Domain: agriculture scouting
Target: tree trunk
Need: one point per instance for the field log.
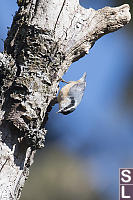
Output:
(45, 38)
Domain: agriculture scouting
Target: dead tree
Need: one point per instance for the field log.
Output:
(45, 38)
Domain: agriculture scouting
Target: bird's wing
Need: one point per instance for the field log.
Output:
(76, 92)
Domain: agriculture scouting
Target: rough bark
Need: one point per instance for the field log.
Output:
(46, 36)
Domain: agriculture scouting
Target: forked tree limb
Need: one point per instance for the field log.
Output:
(45, 38)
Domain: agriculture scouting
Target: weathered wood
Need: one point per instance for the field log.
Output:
(45, 38)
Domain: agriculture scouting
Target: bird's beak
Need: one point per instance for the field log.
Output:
(59, 111)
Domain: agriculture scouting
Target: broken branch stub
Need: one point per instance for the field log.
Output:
(75, 28)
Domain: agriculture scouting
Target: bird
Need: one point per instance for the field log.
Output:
(71, 94)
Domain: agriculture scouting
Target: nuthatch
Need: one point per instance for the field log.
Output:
(71, 95)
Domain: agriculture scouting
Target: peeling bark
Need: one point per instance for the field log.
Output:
(45, 38)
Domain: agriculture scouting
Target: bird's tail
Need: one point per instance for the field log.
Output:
(83, 77)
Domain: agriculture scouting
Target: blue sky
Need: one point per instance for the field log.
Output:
(100, 130)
